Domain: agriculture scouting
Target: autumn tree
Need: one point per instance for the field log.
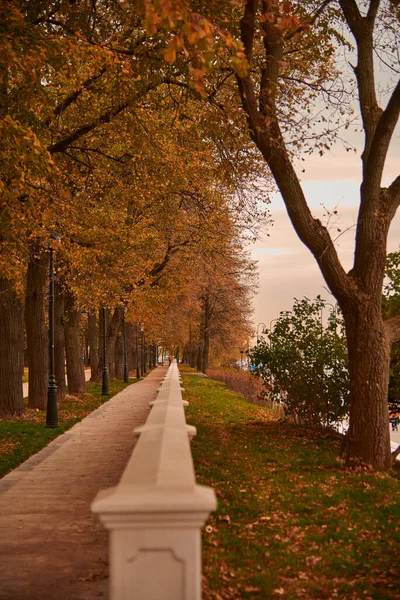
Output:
(290, 50)
(80, 86)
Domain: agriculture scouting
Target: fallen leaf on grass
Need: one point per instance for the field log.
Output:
(225, 518)
(311, 561)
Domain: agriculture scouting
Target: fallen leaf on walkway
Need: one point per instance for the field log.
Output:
(89, 577)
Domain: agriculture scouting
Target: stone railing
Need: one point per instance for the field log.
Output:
(156, 512)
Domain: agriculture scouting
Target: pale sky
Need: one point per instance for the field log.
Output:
(287, 269)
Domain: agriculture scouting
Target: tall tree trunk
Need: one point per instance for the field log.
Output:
(368, 436)
(111, 356)
(93, 341)
(86, 349)
(97, 374)
(119, 357)
(36, 331)
(59, 342)
(193, 353)
(130, 341)
(206, 334)
(75, 370)
(113, 327)
(199, 358)
(114, 333)
(11, 351)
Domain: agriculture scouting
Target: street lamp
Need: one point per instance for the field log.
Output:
(104, 383)
(270, 329)
(126, 370)
(332, 310)
(264, 325)
(52, 412)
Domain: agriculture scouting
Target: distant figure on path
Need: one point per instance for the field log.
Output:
(394, 421)
(170, 360)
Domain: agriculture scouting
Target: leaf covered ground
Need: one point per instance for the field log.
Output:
(291, 522)
(23, 436)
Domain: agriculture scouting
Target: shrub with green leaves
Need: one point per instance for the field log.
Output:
(303, 364)
(391, 308)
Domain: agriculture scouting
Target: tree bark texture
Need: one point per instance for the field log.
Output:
(59, 342)
(73, 350)
(119, 357)
(93, 342)
(130, 341)
(114, 326)
(96, 376)
(11, 351)
(206, 334)
(199, 357)
(36, 330)
(358, 291)
(193, 353)
(368, 437)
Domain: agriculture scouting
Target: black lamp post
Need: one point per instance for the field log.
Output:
(264, 327)
(270, 329)
(137, 352)
(104, 383)
(52, 411)
(126, 370)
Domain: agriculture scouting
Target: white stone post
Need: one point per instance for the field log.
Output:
(156, 512)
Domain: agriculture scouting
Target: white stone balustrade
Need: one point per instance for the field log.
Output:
(156, 512)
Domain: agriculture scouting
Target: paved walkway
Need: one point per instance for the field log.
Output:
(51, 546)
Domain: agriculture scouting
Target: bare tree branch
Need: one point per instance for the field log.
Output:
(60, 108)
(247, 25)
(394, 192)
(380, 144)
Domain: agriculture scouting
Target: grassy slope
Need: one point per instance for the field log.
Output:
(22, 437)
(291, 521)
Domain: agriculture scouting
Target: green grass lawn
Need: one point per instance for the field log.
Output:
(292, 522)
(23, 436)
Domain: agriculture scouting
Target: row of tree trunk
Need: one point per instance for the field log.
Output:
(196, 353)
(28, 317)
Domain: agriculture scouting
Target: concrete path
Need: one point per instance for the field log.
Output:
(51, 546)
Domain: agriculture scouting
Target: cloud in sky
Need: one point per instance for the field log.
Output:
(287, 268)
